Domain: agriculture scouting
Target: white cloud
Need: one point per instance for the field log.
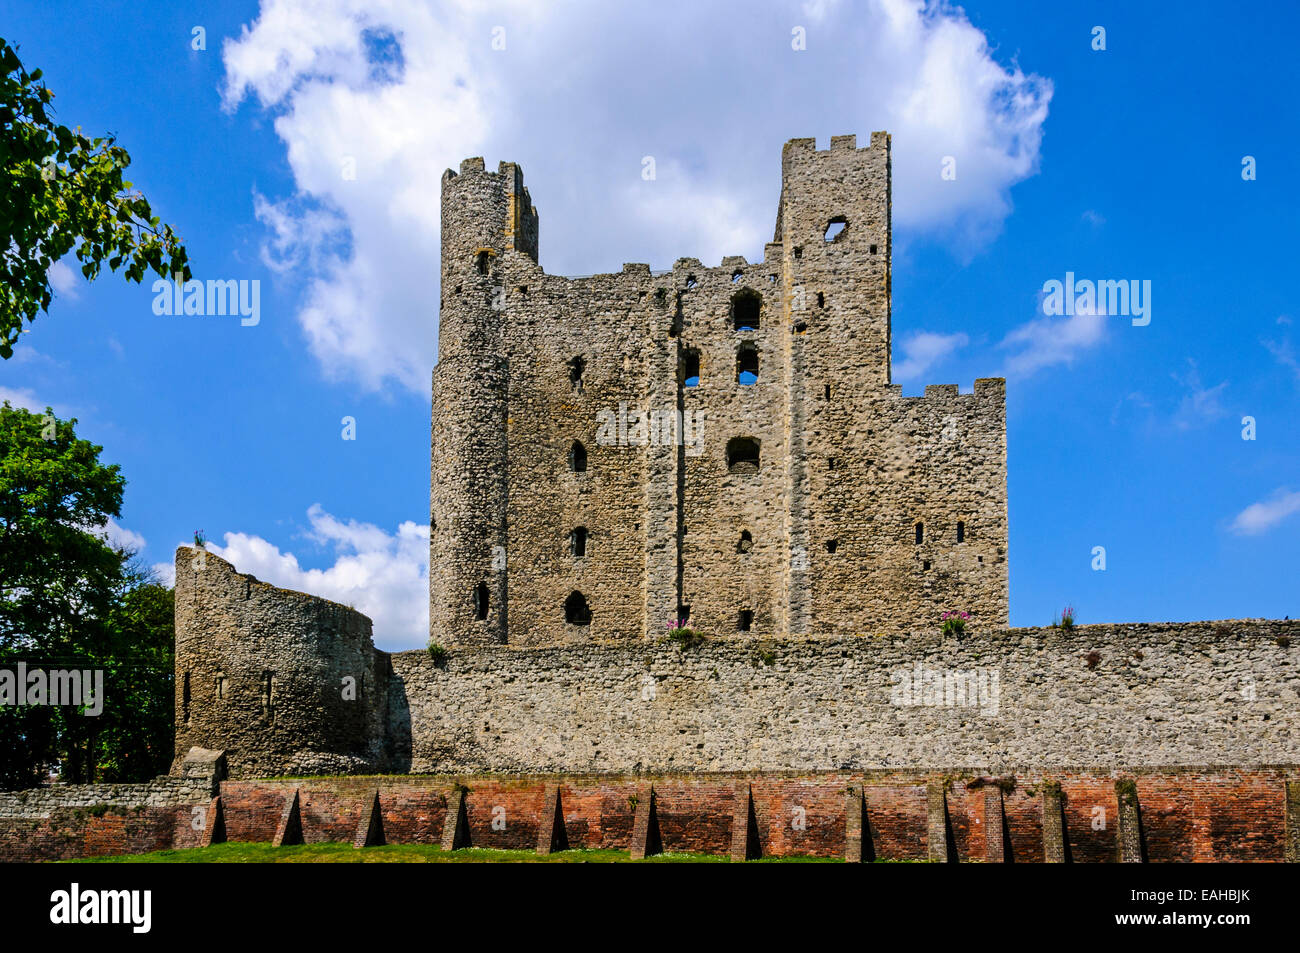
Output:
(1094, 218)
(382, 575)
(1200, 404)
(21, 397)
(1047, 341)
(120, 537)
(64, 280)
(1264, 515)
(398, 91)
(924, 350)
(1284, 354)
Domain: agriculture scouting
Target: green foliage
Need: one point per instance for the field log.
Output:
(685, 638)
(438, 653)
(764, 657)
(69, 600)
(64, 192)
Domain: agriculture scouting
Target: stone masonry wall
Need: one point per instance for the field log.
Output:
(1145, 694)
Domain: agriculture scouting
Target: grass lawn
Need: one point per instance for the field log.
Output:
(335, 853)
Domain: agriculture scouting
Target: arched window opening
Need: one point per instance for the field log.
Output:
(736, 276)
(961, 532)
(577, 366)
(576, 610)
(481, 262)
(578, 457)
(746, 306)
(746, 541)
(835, 228)
(480, 600)
(691, 368)
(746, 364)
(920, 534)
(578, 541)
(742, 455)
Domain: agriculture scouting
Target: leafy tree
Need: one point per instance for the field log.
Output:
(64, 191)
(69, 600)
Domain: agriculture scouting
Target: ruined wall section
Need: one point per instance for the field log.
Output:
(938, 461)
(1146, 694)
(734, 544)
(577, 507)
(260, 673)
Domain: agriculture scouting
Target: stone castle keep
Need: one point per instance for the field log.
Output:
(720, 447)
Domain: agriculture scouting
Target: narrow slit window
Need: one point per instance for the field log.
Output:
(920, 534)
(185, 698)
(480, 601)
(577, 367)
(578, 457)
(268, 695)
(578, 541)
(961, 532)
(746, 541)
(746, 620)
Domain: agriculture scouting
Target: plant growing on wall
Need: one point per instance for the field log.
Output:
(954, 624)
(1066, 621)
(683, 636)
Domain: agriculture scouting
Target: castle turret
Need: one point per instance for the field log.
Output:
(485, 218)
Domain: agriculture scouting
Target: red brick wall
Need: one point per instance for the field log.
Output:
(1186, 815)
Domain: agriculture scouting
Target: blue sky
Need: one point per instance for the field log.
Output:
(302, 148)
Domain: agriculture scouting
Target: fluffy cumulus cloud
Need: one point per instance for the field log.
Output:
(373, 99)
(1264, 515)
(383, 575)
(923, 351)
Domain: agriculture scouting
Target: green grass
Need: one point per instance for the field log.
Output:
(335, 853)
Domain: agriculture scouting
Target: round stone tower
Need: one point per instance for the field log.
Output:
(486, 219)
(283, 682)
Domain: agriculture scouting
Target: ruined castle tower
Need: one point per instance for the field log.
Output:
(720, 445)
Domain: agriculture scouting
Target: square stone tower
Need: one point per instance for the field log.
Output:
(719, 445)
